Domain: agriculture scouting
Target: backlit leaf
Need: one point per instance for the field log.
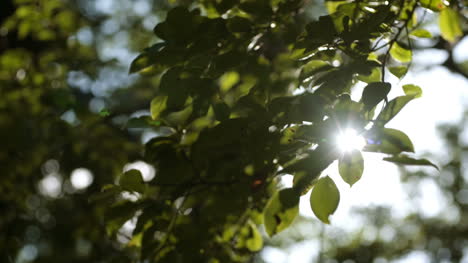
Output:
(281, 210)
(434, 5)
(449, 23)
(324, 199)
(392, 109)
(158, 105)
(255, 240)
(313, 67)
(386, 140)
(412, 90)
(351, 166)
(406, 160)
(400, 53)
(375, 76)
(141, 62)
(399, 72)
(421, 33)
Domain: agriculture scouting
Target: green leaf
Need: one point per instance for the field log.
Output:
(313, 67)
(399, 72)
(146, 59)
(239, 25)
(421, 33)
(104, 113)
(221, 111)
(281, 210)
(132, 180)
(375, 76)
(406, 160)
(400, 53)
(139, 63)
(392, 109)
(387, 140)
(107, 192)
(374, 93)
(450, 26)
(307, 182)
(228, 80)
(255, 241)
(434, 5)
(116, 215)
(289, 135)
(308, 169)
(142, 122)
(158, 105)
(351, 167)
(324, 199)
(412, 90)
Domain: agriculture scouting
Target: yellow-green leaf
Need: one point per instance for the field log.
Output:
(351, 166)
(281, 210)
(449, 23)
(434, 5)
(399, 72)
(255, 240)
(392, 109)
(412, 90)
(324, 199)
(421, 33)
(387, 140)
(406, 160)
(400, 53)
(376, 75)
(304, 182)
(158, 105)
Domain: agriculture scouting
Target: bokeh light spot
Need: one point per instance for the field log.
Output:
(81, 178)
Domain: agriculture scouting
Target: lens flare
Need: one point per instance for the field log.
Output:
(349, 140)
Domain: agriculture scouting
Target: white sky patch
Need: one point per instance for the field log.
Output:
(431, 201)
(131, 196)
(125, 232)
(287, 180)
(415, 257)
(105, 6)
(148, 135)
(85, 36)
(443, 100)
(27, 254)
(459, 53)
(304, 251)
(274, 255)
(141, 7)
(81, 178)
(147, 170)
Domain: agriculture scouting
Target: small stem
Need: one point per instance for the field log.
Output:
(395, 39)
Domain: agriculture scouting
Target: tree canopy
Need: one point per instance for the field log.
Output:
(233, 94)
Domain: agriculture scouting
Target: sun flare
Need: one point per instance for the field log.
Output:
(349, 140)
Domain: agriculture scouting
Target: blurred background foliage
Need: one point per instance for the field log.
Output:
(65, 99)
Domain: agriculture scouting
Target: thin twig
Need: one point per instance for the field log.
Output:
(395, 39)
